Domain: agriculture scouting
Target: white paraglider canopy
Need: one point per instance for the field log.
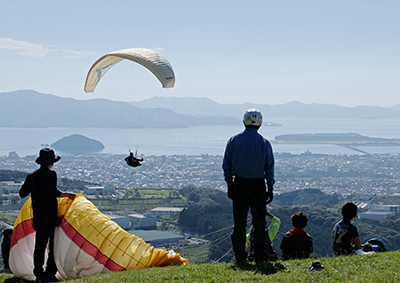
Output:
(148, 58)
(86, 243)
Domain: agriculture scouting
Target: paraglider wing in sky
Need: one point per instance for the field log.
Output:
(148, 58)
(86, 242)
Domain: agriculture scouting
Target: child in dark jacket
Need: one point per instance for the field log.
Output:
(5, 248)
(297, 243)
(346, 240)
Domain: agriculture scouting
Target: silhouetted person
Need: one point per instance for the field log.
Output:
(131, 160)
(5, 248)
(42, 186)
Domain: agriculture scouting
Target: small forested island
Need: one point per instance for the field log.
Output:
(350, 139)
(77, 144)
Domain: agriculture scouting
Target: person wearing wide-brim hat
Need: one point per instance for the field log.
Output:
(47, 157)
(42, 186)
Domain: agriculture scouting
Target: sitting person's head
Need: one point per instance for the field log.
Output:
(7, 234)
(299, 220)
(349, 211)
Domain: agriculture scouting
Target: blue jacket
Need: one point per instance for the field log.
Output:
(249, 155)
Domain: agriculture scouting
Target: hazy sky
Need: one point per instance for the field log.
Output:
(344, 52)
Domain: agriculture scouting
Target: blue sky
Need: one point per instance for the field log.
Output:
(343, 52)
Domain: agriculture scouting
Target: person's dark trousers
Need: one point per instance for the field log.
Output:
(44, 234)
(249, 193)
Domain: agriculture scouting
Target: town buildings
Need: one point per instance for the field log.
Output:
(379, 211)
(341, 174)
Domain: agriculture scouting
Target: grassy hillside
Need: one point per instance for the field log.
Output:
(382, 267)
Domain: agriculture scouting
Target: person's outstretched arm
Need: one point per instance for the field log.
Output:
(67, 195)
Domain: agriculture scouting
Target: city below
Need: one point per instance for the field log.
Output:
(345, 175)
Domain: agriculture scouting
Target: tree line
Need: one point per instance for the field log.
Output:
(209, 213)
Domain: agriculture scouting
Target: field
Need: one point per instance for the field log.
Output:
(381, 267)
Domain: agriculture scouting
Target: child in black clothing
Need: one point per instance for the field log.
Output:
(346, 240)
(297, 243)
(5, 248)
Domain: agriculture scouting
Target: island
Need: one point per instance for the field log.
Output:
(343, 139)
(77, 144)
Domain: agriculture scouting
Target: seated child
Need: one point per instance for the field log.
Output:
(297, 243)
(346, 240)
(5, 248)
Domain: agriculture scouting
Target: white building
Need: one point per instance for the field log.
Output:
(380, 211)
(91, 190)
(13, 187)
(10, 186)
(143, 221)
(159, 239)
(165, 211)
(122, 221)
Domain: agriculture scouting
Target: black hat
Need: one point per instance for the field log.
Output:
(316, 265)
(7, 232)
(47, 156)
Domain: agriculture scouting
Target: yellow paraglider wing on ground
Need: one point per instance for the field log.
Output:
(86, 243)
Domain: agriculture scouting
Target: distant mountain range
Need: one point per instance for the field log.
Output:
(205, 106)
(28, 108)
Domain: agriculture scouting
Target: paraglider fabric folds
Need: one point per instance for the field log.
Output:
(153, 61)
(86, 243)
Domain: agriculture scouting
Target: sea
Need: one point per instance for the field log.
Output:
(202, 140)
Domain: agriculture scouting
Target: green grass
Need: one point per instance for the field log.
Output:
(195, 253)
(382, 267)
(7, 218)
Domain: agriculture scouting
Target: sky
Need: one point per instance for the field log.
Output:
(342, 52)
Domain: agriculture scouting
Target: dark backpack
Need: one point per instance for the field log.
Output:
(378, 245)
(296, 246)
(269, 251)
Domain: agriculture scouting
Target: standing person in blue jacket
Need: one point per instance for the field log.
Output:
(248, 166)
(42, 186)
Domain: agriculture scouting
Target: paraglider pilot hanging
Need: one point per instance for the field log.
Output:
(131, 160)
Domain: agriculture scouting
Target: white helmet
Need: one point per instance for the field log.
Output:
(252, 117)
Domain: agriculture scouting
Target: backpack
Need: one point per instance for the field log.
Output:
(378, 245)
(296, 246)
(269, 251)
